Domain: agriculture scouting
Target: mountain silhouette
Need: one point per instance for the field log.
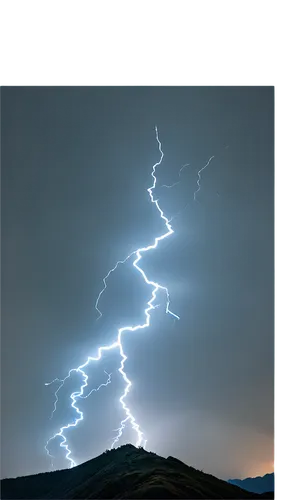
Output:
(126, 473)
(258, 484)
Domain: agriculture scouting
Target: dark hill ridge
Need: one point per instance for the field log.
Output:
(126, 472)
(257, 484)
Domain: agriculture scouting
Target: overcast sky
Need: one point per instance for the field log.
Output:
(76, 163)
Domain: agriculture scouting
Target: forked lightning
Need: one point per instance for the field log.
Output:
(117, 344)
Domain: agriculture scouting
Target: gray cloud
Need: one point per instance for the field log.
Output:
(75, 167)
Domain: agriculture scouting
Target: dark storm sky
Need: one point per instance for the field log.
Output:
(76, 164)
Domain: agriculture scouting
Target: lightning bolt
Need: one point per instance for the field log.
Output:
(199, 177)
(105, 282)
(169, 186)
(129, 417)
(178, 182)
(63, 381)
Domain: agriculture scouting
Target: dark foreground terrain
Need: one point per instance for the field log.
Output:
(126, 472)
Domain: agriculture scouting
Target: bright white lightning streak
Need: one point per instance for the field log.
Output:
(73, 397)
(99, 387)
(199, 177)
(118, 344)
(83, 397)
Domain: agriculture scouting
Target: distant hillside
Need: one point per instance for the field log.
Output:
(124, 473)
(258, 484)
